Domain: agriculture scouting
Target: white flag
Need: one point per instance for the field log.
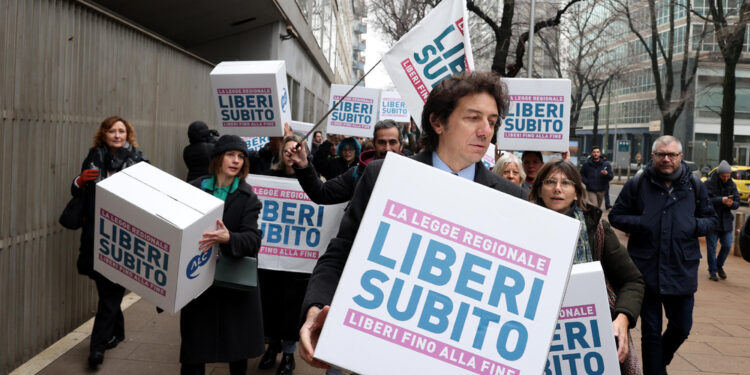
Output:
(435, 49)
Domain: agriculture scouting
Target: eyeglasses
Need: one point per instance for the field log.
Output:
(662, 155)
(551, 182)
(383, 142)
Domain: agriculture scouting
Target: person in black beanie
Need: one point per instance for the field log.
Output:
(198, 153)
(724, 196)
(224, 324)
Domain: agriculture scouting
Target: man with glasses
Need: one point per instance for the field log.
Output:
(340, 189)
(665, 210)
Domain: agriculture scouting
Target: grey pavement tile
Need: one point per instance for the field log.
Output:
(732, 349)
(698, 347)
(708, 362)
(707, 329)
(156, 353)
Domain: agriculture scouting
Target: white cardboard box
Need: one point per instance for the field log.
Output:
(464, 285)
(251, 98)
(583, 341)
(147, 228)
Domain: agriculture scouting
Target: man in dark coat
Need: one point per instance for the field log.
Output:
(665, 211)
(387, 138)
(596, 174)
(459, 119)
(198, 153)
(724, 196)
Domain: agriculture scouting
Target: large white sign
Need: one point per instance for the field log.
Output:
(489, 157)
(448, 286)
(583, 342)
(357, 113)
(392, 107)
(251, 98)
(435, 49)
(148, 224)
(303, 128)
(296, 231)
(538, 117)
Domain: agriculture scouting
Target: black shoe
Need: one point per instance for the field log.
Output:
(269, 357)
(112, 342)
(96, 359)
(713, 277)
(722, 274)
(286, 366)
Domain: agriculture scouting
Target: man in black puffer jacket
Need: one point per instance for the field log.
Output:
(198, 153)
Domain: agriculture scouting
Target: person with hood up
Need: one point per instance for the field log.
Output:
(387, 138)
(198, 153)
(724, 196)
(347, 154)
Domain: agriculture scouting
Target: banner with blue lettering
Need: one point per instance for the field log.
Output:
(464, 285)
(489, 157)
(583, 342)
(392, 107)
(296, 231)
(436, 48)
(538, 117)
(255, 143)
(357, 113)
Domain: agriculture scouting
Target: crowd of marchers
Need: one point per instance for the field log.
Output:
(664, 209)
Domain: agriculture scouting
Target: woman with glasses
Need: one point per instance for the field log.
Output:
(509, 166)
(558, 187)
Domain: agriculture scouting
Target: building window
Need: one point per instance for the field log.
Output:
(309, 113)
(294, 88)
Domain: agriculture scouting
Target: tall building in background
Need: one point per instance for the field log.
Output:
(629, 115)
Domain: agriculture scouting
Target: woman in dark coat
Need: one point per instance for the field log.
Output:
(198, 153)
(114, 149)
(347, 154)
(222, 324)
(282, 292)
(558, 187)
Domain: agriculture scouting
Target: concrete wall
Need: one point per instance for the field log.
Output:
(63, 69)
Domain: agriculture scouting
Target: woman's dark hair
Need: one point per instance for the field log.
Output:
(557, 165)
(445, 96)
(214, 166)
(99, 137)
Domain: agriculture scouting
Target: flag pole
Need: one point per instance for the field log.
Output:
(317, 125)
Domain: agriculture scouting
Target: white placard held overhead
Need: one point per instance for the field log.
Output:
(357, 113)
(436, 48)
(392, 107)
(538, 117)
(448, 286)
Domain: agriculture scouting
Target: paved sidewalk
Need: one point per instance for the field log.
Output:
(718, 344)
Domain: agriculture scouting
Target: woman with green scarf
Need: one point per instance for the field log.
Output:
(558, 187)
(223, 324)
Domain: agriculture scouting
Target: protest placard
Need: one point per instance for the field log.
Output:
(392, 107)
(357, 113)
(148, 224)
(489, 157)
(436, 48)
(464, 285)
(296, 231)
(303, 128)
(538, 117)
(255, 143)
(251, 98)
(583, 342)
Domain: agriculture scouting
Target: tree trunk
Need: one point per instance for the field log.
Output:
(668, 121)
(595, 129)
(726, 141)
